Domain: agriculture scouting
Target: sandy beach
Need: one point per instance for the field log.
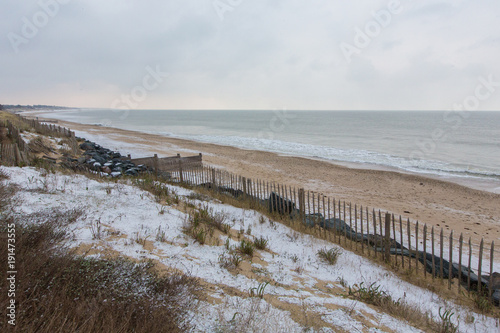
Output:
(443, 204)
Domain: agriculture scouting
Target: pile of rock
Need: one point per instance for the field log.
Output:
(107, 161)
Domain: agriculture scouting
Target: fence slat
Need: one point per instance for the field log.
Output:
(416, 248)
(433, 255)
(408, 231)
(470, 266)
(350, 224)
(387, 237)
(394, 237)
(401, 236)
(441, 245)
(492, 251)
(450, 272)
(368, 230)
(375, 233)
(425, 249)
(362, 233)
(460, 243)
(480, 265)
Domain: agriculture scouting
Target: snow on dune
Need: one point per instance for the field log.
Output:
(298, 277)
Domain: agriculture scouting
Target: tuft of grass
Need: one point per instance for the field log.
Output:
(330, 256)
(246, 247)
(371, 294)
(260, 243)
(203, 222)
(140, 238)
(96, 229)
(259, 290)
(198, 196)
(217, 220)
(230, 261)
(160, 235)
(482, 302)
(446, 325)
(159, 190)
(200, 235)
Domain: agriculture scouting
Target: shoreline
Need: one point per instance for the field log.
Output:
(437, 202)
(482, 183)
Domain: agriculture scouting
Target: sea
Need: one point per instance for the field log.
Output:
(460, 146)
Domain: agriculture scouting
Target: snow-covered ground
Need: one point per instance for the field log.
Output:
(298, 278)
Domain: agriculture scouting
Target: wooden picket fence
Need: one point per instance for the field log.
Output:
(381, 230)
(169, 164)
(17, 152)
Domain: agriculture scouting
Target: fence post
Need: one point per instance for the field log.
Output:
(155, 164)
(17, 154)
(416, 248)
(374, 233)
(450, 274)
(425, 250)
(213, 178)
(355, 223)
(350, 224)
(401, 239)
(408, 231)
(470, 259)
(433, 256)
(441, 264)
(480, 264)
(491, 268)
(302, 199)
(368, 230)
(394, 235)
(387, 236)
(362, 231)
(460, 241)
(244, 182)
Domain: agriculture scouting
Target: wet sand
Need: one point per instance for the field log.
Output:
(443, 204)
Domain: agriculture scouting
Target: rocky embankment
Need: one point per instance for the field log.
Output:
(105, 161)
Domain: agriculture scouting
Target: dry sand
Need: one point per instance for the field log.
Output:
(443, 204)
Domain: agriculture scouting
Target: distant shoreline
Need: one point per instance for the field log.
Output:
(433, 201)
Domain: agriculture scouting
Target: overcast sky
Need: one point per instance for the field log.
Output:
(251, 54)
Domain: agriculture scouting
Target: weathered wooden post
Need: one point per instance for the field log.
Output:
(302, 206)
(416, 248)
(387, 237)
(425, 249)
(441, 244)
(244, 182)
(460, 241)
(155, 164)
(491, 268)
(480, 264)
(470, 266)
(17, 154)
(450, 274)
